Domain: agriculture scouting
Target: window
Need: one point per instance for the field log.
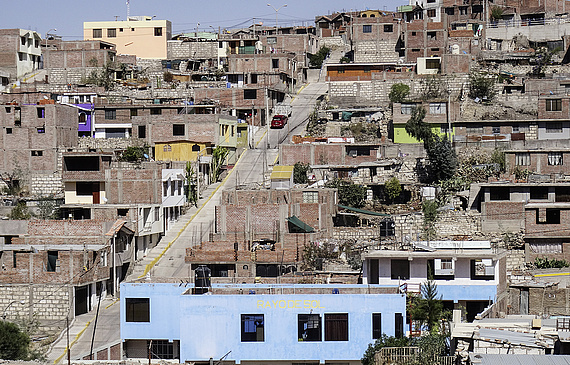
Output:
(414, 34)
(51, 261)
(165, 188)
(553, 105)
(336, 327)
(142, 131)
(309, 327)
(482, 269)
(250, 94)
(178, 130)
(23, 40)
(132, 29)
(407, 108)
(553, 127)
(163, 349)
(443, 128)
(122, 212)
(522, 158)
(496, 129)
(158, 32)
(8, 130)
(253, 78)
(110, 114)
(388, 28)
(562, 194)
(500, 193)
(120, 30)
(167, 148)
(37, 153)
(156, 111)
(400, 269)
(274, 63)
(271, 40)
(441, 269)
(367, 28)
(431, 13)
(449, 11)
(463, 10)
(134, 112)
(310, 196)
(432, 64)
(138, 309)
(431, 36)
(22, 56)
(376, 325)
(111, 33)
(41, 112)
(555, 158)
(156, 214)
(252, 328)
(84, 188)
(97, 33)
(437, 108)
(547, 216)
(82, 118)
(538, 193)
(195, 148)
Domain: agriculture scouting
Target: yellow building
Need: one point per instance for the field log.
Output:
(181, 150)
(140, 35)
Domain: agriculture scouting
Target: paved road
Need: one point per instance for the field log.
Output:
(302, 105)
(167, 258)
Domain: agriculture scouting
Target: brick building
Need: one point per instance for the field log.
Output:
(20, 52)
(377, 38)
(51, 269)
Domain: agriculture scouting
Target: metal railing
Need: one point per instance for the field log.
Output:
(526, 22)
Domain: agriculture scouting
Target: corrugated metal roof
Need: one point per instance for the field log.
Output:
(515, 338)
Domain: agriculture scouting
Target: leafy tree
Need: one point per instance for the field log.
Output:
(48, 207)
(431, 346)
(300, 173)
(545, 263)
(498, 157)
(383, 341)
(133, 154)
(219, 155)
(542, 58)
(393, 188)
(443, 161)
(14, 343)
(168, 76)
(433, 87)
(349, 194)
(430, 212)
(20, 211)
(428, 308)
(192, 188)
(496, 13)
(317, 59)
(482, 86)
(399, 93)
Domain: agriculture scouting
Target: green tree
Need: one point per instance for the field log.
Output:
(168, 76)
(349, 194)
(431, 346)
(192, 188)
(383, 341)
(430, 212)
(20, 211)
(482, 86)
(133, 154)
(441, 155)
(219, 155)
(14, 343)
(317, 59)
(399, 93)
(427, 309)
(498, 157)
(300, 173)
(393, 189)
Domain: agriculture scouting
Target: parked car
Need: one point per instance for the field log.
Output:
(279, 121)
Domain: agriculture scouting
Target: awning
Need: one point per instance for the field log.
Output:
(363, 211)
(304, 227)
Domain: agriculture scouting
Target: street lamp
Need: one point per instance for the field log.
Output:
(8, 306)
(276, 12)
(47, 34)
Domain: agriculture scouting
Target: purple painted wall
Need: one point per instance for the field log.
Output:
(84, 129)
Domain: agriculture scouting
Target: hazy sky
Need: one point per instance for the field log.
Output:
(68, 15)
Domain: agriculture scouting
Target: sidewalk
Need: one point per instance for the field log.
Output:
(81, 332)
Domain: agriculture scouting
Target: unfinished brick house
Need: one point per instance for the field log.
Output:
(32, 139)
(20, 52)
(376, 39)
(541, 211)
(52, 269)
(263, 232)
(424, 39)
(99, 188)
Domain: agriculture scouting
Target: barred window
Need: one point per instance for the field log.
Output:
(522, 159)
(553, 127)
(555, 158)
(437, 108)
(553, 105)
(310, 196)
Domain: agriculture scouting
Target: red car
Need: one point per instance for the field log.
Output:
(279, 121)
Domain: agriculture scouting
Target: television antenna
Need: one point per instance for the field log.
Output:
(128, 9)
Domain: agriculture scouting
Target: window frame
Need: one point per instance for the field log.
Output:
(110, 114)
(555, 158)
(302, 332)
(131, 305)
(158, 31)
(98, 33)
(367, 28)
(522, 159)
(245, 319)
(553, 105)
(376, 326)
(179, 130)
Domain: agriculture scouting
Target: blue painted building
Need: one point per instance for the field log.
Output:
(285, 323)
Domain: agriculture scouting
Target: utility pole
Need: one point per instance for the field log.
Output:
(276, 13)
